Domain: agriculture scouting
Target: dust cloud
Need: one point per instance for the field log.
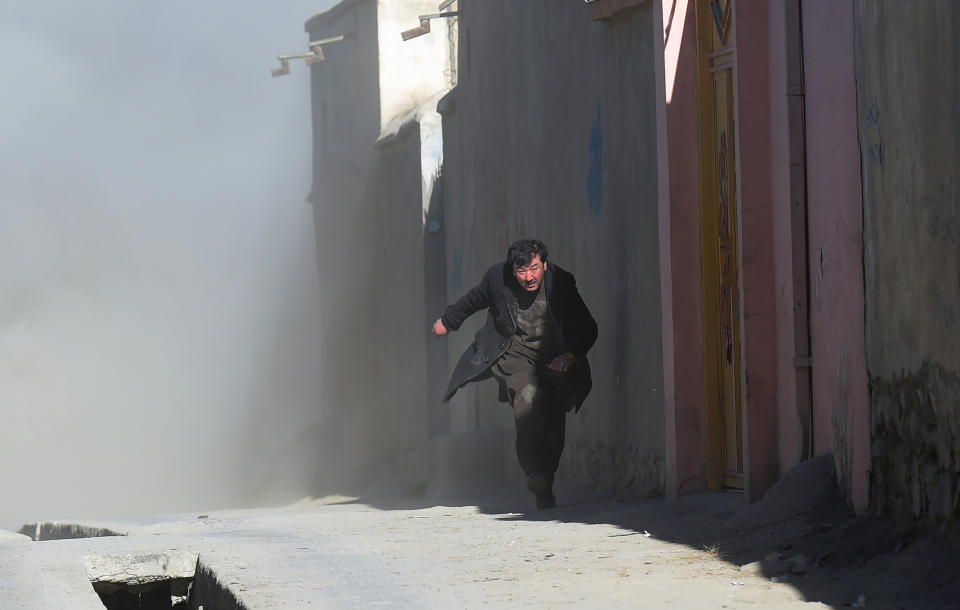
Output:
(157, 263)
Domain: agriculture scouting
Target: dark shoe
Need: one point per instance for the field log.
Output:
(546, 501)
(541, 486)
(538, 483)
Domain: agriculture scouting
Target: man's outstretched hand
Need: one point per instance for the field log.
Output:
(439, 329)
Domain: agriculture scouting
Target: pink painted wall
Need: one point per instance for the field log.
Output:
(840, 392)
(769, 246)
(789, 426)
(685, 450)
(757, 277)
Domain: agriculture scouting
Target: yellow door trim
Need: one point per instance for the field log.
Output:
(719, 259)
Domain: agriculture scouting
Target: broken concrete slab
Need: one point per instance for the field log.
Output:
(140, 569)
(163, 578)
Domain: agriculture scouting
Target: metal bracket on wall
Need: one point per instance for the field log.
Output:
(314, 55)
(424, 27)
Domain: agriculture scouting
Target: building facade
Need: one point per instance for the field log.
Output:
(367, 435)
(761, 215)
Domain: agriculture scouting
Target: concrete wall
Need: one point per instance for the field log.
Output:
(403, 413)
(679, 217)
(370, 204)
(345, 94)
(412, 70)
(758, 332)
(798, 184)
(907, 78)
(345, 98)
(802, 287)
(834, 210)
(552, 133)
(793, 412)
(821, 370)
(410, 258)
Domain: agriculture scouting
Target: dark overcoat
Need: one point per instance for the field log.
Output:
(495, 293)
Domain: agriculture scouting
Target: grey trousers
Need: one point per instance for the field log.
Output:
(540, 418)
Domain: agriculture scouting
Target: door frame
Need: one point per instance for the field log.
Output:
(706, 24)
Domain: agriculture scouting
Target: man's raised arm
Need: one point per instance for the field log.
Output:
(453, 316)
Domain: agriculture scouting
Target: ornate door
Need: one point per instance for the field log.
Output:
(718, 234)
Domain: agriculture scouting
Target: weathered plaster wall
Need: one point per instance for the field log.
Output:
(758, 341)
(345, 98)
(399, 244)
(346, 123)
(370, 207)
(834, 210)
(551, 133)
(408, 177)
(679, 250)
(790, 423)
(907, 79)
(411, 70)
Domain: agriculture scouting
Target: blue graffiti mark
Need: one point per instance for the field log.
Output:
(873, 114)
(878, 155)
(456, 275)
(595, 176)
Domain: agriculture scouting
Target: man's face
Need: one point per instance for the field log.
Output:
(530, 276)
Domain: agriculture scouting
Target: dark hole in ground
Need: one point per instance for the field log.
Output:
(155, 596)
(149, 581)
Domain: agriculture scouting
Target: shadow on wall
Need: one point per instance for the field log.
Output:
(914, 442)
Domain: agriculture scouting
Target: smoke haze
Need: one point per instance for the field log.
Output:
(157, 261)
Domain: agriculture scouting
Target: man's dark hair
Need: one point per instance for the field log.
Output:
(522, 251)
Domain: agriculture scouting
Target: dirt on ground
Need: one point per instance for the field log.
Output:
(797, 547)
(802, 533)
(893, 565)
